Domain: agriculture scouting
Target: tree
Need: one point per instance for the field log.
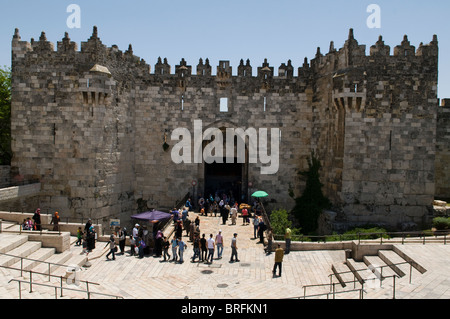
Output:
(279, 220)
(5, 116)
(309, 206)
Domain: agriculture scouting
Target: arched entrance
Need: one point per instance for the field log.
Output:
(228, 178)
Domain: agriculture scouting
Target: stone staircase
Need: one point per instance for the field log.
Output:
(374, 273)
(18, 252)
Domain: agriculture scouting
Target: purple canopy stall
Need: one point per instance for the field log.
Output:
(152, 216)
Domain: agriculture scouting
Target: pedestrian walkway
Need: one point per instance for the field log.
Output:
(251, 278)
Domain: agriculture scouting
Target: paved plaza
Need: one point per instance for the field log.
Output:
(251, 278)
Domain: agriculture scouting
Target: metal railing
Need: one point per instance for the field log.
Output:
(31, 272)
(432, 236)
(381, 278)
(89, 293)
(33, 231)
(333, 292)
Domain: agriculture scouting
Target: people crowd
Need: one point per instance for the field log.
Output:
(143, 242)
(187, 232)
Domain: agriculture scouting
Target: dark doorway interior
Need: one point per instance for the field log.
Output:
(224, 178)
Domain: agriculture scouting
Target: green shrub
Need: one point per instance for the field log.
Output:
(441, 223)
(359, 233)
(279, 221)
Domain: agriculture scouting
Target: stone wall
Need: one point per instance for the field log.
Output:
(90, 125)
(443, 151)
(5, 176)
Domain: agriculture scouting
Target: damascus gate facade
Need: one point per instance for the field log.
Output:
(96, 126)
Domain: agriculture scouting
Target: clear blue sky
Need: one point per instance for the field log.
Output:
(278, 30)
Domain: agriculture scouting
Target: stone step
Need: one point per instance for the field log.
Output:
(378, 266)
(42, 254)
(360, 270)
(342, 274)
(23, 250)
(10, 242)
(8, 226)
(393, 260)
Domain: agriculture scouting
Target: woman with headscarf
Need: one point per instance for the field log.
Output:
(91, 239)
(55, 221)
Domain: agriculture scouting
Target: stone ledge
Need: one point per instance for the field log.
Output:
(19, 191)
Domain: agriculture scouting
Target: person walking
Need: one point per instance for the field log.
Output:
(244, 216)
(219, 244)
(196, 248)
(55, 221)
(211, 248)
(279, 254)
(233, 215)
(136, 232)
(255, 225)
(268, 249)
(132, 246)
(165, 246)
(112, 248)
(88, 225)
(203, 247)
(79, 236)
(234, 254)
(261, 229)
(122, 234)
(181, 246)
(174, 249)
(287, 238)
(141, 246)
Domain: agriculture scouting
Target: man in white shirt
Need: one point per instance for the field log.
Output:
(135, 231)
(211, 246)
(234, 249)
(219, 244)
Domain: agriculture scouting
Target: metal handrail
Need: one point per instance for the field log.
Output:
(89, 293)
(334, 292)
(44, 274)
(393, 235)
(39, 273)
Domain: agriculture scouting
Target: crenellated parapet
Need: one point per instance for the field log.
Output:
(351, 55)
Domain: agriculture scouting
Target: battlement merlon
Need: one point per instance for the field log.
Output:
(351, 54)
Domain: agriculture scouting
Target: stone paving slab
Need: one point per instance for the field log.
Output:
(251, 278)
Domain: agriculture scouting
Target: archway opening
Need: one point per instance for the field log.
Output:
(225, 179)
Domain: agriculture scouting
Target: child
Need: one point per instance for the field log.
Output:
(25, 225)
(85, 251)
(79, 236)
